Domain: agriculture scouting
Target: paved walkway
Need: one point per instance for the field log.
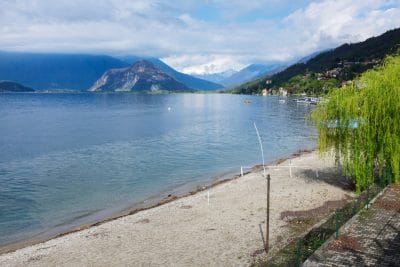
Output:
(372, 238)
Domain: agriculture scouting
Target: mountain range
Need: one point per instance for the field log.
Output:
(251, 72)
(64, 71)
(142, 76)
(55, 71)
(78, 71)
(197, 83)
(216, 77)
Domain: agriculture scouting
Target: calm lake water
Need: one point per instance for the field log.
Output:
(69, 159)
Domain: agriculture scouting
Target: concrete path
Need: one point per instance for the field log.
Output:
(372, 238)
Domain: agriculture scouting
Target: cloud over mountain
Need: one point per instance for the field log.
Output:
(193, 36)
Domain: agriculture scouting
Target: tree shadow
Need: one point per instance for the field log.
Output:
(331, 176)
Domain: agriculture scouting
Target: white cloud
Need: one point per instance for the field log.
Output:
(193, 44)
(329, 23)
(201, 64)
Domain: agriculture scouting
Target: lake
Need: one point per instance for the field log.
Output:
(71, 159)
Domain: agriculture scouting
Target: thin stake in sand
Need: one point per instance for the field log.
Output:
(261, 147)
(268, 190)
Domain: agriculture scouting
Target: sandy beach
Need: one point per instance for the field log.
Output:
(219, 226)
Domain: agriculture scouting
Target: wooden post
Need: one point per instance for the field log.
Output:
(267, 222)
(337, 223)
(298, 253)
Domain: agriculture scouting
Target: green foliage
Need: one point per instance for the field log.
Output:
(360, 123)
(249, 88)
(309, 84)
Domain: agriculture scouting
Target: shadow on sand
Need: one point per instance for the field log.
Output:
(332, 176)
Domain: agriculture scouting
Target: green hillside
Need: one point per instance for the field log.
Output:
(328, 69)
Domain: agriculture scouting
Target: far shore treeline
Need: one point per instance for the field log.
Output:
(360, 124)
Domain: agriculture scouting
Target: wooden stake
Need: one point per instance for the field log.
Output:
(267, 230)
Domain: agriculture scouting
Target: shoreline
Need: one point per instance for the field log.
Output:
(216, 225)
(151, 203)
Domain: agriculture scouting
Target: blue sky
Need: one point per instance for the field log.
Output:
(193, 36)
(220, 13)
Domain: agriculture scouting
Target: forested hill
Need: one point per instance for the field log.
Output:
(10, 86)
(330, 68)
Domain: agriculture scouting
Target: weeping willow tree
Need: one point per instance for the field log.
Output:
(360, 124)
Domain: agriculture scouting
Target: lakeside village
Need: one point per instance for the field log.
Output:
(304, 99)
(312, 85)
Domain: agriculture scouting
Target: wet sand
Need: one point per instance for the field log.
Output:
(219, 226)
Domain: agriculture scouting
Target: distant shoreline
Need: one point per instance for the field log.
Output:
(61, 91)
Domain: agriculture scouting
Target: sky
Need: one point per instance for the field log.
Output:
(196, 37)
